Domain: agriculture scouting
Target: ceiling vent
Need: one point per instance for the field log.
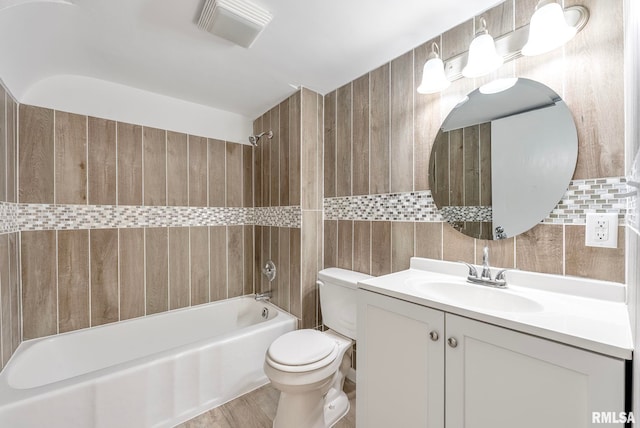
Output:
(238, 21)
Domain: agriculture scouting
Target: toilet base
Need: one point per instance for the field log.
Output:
(308, 412)
(336, 407)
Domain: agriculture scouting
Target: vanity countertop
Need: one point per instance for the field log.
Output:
(585, 313)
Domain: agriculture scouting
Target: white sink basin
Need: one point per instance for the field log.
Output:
(475, 296)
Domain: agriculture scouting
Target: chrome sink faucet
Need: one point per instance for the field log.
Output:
(485, 276)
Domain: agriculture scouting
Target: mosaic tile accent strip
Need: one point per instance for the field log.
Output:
(413, 206)
(633, 210)
(602, 195)
(8, 217)
(583, 196)
(288, 216)
(454, 214)
(61, 217)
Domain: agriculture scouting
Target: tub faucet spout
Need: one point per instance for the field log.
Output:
(262, 297)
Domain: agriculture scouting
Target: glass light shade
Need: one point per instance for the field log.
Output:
(483, 58)
(548, 30)
(498, 85)
(433, 77)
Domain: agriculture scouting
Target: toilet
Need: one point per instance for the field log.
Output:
(308, 367)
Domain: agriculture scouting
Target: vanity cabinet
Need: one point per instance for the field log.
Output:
(421, 367)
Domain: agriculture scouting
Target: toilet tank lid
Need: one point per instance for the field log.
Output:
(343, 277)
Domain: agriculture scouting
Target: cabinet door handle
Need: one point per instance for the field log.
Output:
(434, 336)
(452, 342)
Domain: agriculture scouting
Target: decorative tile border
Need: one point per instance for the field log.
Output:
(16, 217)
(603, 195)
(633, 214)
(61, 217)
(8, 217)
(288, 216)
(583, 196)
(413, 206)
(458, 214)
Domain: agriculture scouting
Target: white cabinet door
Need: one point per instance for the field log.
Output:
(498, 378)
(400, 364)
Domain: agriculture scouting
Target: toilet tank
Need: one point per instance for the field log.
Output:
(338, 299)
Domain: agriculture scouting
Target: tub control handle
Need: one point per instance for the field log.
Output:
(452, 342)
(269, 270)
(434, 336)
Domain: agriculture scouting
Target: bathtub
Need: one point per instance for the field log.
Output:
(156, 371)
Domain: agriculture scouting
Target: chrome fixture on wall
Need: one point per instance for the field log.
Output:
(550, 28)
(253, 139)
(269, 270)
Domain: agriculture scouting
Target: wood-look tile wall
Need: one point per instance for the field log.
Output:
(460, 173)
(10, 325)
(74, 279)
(72, 159)
(288, 172)
(379, 132)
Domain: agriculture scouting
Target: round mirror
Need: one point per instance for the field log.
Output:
(503, 158)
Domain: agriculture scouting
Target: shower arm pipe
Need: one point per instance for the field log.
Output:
(253, 139)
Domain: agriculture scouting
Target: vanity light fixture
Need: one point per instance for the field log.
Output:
(433, 77)
(548, 29)
(486, 54)
(483, 57)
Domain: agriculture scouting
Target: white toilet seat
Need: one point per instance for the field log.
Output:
(302, 351)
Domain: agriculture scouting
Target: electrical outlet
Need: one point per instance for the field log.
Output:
(602, 230)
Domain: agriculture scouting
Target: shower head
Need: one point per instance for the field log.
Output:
(253, 139)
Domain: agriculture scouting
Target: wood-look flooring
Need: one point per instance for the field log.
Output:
(257, 410)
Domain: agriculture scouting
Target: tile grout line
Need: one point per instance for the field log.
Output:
(86, 159)
(6, 148)
(6, 190)
(564, 245)
(87, 195)
(58, 286)
(2, 310)
(166, 203)
(56, 233)
(208, 172)
(142, 202)
(413, 121)
(144, 230)
(18, 234)
(117, 203)
(89, 279)
(353, 234)
(118, 260)
(189, 205)
(209, 280)
(54, 157)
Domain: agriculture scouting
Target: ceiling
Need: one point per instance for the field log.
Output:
(155, 45)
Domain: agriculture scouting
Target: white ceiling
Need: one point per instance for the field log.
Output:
(155, 45)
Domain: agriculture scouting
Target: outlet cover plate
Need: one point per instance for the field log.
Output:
(594, 232)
